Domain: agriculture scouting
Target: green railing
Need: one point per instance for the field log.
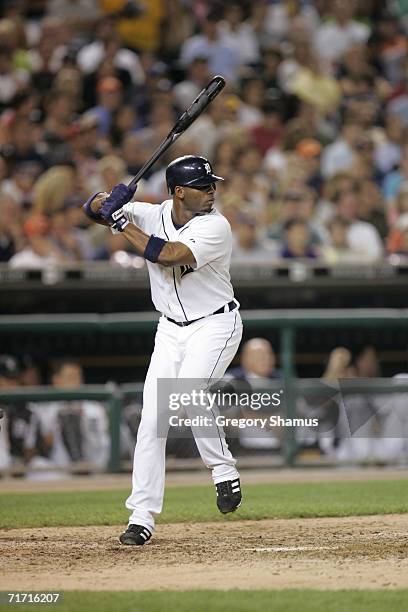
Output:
(114, 398)
(286, 322)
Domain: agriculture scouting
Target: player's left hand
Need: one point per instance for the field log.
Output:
(118, 197)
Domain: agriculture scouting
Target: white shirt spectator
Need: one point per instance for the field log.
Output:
(249, 116)
(363, 237)
(92, 55)
(243, 38)
(336, 157)
(29, 259)
(223, 58)
(387, 155)
(332, 40)
(278, 23)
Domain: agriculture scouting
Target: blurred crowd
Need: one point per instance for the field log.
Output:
(310, 131)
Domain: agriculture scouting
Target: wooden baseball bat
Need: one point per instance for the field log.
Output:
(201, 102)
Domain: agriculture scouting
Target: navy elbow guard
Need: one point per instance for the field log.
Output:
(88, 210)
(154, 248)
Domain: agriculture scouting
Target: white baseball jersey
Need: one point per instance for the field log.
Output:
(186, 293)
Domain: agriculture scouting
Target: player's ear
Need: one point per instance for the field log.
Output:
(179, 192)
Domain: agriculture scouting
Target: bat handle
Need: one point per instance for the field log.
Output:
(133, 184)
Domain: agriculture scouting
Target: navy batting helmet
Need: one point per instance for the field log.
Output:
(190, 171)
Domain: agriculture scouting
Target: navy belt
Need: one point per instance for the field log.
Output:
(230, 306)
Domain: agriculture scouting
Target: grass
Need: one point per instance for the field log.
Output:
(197, 504)
(239, 601)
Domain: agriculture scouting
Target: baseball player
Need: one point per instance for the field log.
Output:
(187, 244)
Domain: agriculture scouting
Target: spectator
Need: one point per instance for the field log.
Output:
(118, 251)
(395, 238)
(53, 188)
(388, 48)
(124, 121)
(11, 234)
(371, 207)
(68, 234)
(258, 360)
(253, 93)
(138, 25)
(223, 56)
(85, 148)
(257, 367)
(285, 19)
(269, 132)
(39, 251)
(309, 150)
(399, 244)
(388, 144)
(111, 171)
(107, 44)
(46, 57)
(337, 249)
(338, 365)
(211, 127)
(20, 185)
(110, 97)
(11, 80)
(297, 242)
(336, 35)
(198, 75)
(361, 236)
(340, 155)
(235, 33)
(311, 85)
(394, 182)
(21, 145)
(59, 109)
(297, 204)
(248, 247)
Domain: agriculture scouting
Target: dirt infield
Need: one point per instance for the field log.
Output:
(327, 553)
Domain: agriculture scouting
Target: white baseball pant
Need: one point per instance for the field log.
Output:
(203, 349)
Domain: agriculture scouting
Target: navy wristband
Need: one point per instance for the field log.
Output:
(153, 248)
(88, 210)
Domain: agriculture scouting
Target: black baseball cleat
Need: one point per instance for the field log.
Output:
(135, 535)
(228, 495)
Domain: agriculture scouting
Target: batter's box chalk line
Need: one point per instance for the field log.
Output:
(290, 548)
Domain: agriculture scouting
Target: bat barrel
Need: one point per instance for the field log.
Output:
(187, 118)
(215, 86)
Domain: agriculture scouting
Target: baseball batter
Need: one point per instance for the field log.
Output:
(187, 244)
